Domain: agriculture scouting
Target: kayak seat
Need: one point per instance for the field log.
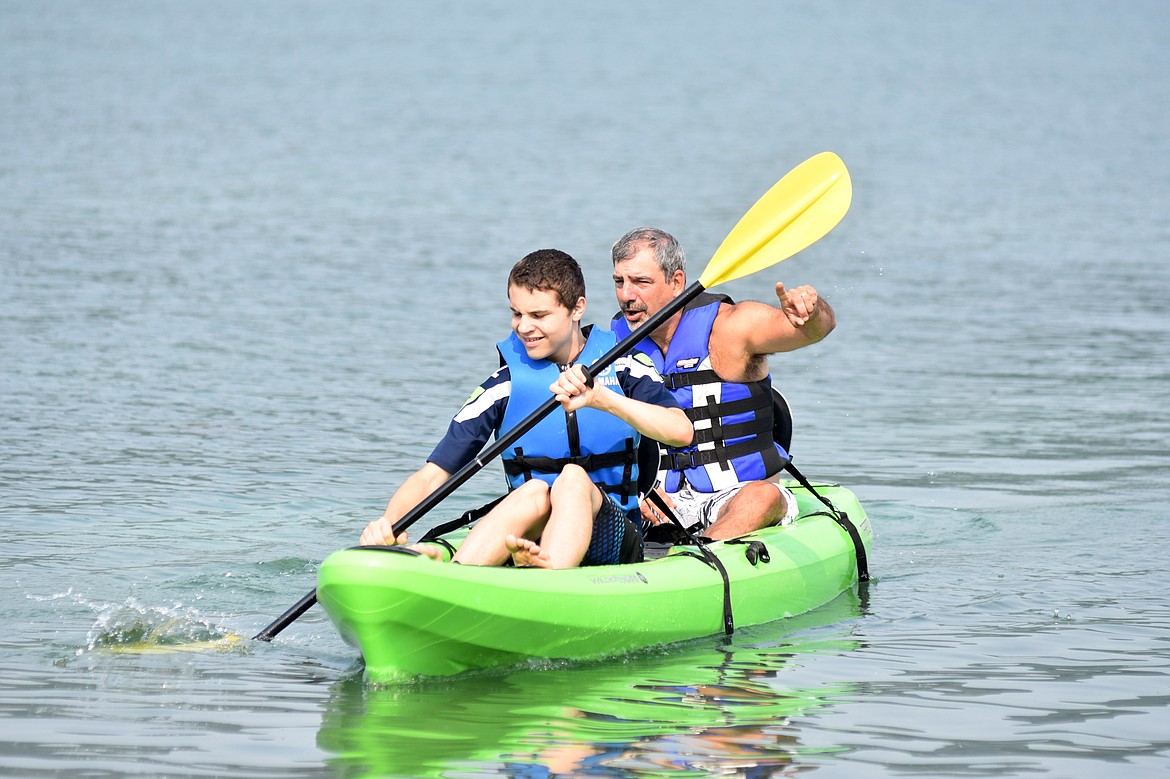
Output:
(648, 459)
(781, 421)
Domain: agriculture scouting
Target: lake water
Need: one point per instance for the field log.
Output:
(252, 257)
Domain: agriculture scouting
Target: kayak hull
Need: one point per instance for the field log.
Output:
(409, 615)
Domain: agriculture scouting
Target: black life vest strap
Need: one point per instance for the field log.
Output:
(521, 465)
(726, 409)
(718, 432)
(680, 461)
(518, 465)
(691, 378)
(629, 484)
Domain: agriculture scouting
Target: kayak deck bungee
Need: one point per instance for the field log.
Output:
(409, 615)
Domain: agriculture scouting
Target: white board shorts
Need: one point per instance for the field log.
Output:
(697, 510)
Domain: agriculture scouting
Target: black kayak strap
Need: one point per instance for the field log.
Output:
(707, 556)
(842, 519)
(467, 518)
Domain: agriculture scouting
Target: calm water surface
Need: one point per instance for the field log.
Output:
(252, 258)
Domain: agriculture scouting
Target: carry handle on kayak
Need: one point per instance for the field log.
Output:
(797, 211)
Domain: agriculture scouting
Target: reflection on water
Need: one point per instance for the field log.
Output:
(706, 704)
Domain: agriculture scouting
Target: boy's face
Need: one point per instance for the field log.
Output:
(543, 325)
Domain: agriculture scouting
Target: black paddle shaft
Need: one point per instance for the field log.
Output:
(487, 455)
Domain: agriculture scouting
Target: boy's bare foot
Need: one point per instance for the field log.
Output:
(526, 554)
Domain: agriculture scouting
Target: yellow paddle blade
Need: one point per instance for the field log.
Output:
(799, 210)
(227, 643)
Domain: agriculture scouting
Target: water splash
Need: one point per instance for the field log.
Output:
(133, 627)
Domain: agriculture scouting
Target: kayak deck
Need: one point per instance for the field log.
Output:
(409, 615)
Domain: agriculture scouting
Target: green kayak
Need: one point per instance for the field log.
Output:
(409, 615)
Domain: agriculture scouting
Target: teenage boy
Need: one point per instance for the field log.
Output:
(573, 478)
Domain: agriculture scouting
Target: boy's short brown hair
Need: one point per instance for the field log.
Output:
(550, 270)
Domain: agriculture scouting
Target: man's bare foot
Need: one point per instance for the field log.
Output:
(526, 554)
(429, 550)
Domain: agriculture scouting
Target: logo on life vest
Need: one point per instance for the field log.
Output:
(689, 362)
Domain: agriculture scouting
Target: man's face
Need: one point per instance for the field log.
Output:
(642, 288)
(542, 324)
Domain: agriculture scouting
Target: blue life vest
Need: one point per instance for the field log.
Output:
(605, 446)
(733, 421)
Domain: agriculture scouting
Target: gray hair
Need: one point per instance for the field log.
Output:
(667, 251)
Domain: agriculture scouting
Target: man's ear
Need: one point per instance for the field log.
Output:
(579, 309)
(678, 280)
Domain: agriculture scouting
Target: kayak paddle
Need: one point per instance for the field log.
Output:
(798, 210)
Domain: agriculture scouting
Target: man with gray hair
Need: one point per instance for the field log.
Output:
(713, 356)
